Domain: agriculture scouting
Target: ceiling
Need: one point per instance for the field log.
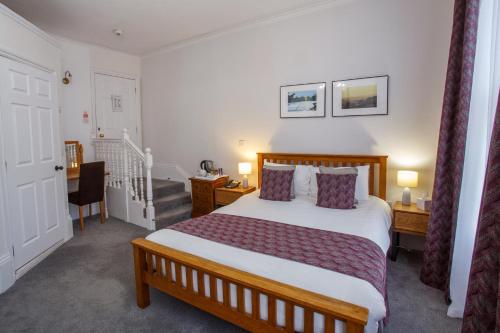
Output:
(147, 25)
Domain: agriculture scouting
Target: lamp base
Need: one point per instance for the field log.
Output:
(245, 182)
(406, 200)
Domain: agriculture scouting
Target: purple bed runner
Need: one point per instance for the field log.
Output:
(343, 253)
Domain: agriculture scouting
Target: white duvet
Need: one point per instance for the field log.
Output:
(371, 219)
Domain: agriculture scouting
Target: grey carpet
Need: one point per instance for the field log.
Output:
(87, 285)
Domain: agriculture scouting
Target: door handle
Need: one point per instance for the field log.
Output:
(59, 167)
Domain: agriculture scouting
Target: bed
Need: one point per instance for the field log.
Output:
(263, 293)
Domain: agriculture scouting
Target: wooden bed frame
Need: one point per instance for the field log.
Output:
(158, 266)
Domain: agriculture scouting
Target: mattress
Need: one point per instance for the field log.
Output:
(371, 219)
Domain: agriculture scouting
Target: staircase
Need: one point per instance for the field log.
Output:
(171, 202)
(132, 194)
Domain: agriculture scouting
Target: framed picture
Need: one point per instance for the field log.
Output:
(303, 100)
(360, 97)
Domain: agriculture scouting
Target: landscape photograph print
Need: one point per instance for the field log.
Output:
(303, 100)
(360, 97)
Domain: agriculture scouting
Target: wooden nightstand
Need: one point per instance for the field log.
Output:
(203, 194)
(225, 196)
(407, 220)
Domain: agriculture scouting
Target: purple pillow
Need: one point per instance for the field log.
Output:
(336, 191)
(276, 184)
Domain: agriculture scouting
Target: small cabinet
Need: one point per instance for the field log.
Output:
(203, 194)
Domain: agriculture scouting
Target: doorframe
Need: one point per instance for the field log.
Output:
(7, 272)
(138, 116)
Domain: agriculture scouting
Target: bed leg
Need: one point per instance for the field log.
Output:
(141, 288)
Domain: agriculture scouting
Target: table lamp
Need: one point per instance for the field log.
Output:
(245, 168)
(407, 179)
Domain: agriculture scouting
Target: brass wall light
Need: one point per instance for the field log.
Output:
(67, 78)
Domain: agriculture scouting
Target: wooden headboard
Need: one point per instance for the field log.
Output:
(377, 174)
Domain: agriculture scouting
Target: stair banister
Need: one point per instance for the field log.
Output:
(125, 164)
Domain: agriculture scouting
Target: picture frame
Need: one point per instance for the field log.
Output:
(368, 96)
(303, 100)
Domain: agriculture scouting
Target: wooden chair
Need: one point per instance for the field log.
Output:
(90, 189)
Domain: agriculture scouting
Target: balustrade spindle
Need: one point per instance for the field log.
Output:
(134, 169)
(130, 174)
(141, 183)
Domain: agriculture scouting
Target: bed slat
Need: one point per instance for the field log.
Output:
(308, 321)
(255, 304)
(178, 274)
(329, 324)
(240, 298)
(225, 293)
(271, 310)
(201, 282)
(289, 317)
(213, 288)
(189, 279)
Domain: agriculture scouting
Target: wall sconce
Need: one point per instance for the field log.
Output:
(67, 78)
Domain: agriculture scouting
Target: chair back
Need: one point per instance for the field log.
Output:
(91, 183)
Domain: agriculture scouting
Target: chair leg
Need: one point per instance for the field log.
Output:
(80, 211)
(102, 210)
(90, 210)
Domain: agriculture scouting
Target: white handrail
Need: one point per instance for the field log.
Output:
(131, 144)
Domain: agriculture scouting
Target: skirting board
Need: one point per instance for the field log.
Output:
(24, 269)
(171, 171)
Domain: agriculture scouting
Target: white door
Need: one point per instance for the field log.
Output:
(116, 107)
(30, 123)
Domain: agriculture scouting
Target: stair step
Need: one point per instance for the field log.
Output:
(162, 204)
(172, 216)
(163, 187)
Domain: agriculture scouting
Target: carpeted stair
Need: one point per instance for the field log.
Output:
(171, 201)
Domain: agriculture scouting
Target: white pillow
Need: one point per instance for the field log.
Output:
(301, 178)
(313, 188)
(362, 189)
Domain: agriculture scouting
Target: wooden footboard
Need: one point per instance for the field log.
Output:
(160, 267)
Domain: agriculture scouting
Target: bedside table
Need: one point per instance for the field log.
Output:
(407, 220)
(225, 196)
(203, 194)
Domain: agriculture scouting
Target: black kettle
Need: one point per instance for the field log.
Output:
(207, 165)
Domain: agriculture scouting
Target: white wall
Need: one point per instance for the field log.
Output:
(82, 60)
(22, 41)
(199, 100)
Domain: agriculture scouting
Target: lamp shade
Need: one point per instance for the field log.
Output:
(407, 178)
(244, 168)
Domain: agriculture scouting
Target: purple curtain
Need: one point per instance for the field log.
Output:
(451, 147)
(482, 307)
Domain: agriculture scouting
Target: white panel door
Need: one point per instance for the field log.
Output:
(30, 121)
(116, 107)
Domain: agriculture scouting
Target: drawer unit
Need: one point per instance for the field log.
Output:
(203, 194)
(414, 223)
(225, 196)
